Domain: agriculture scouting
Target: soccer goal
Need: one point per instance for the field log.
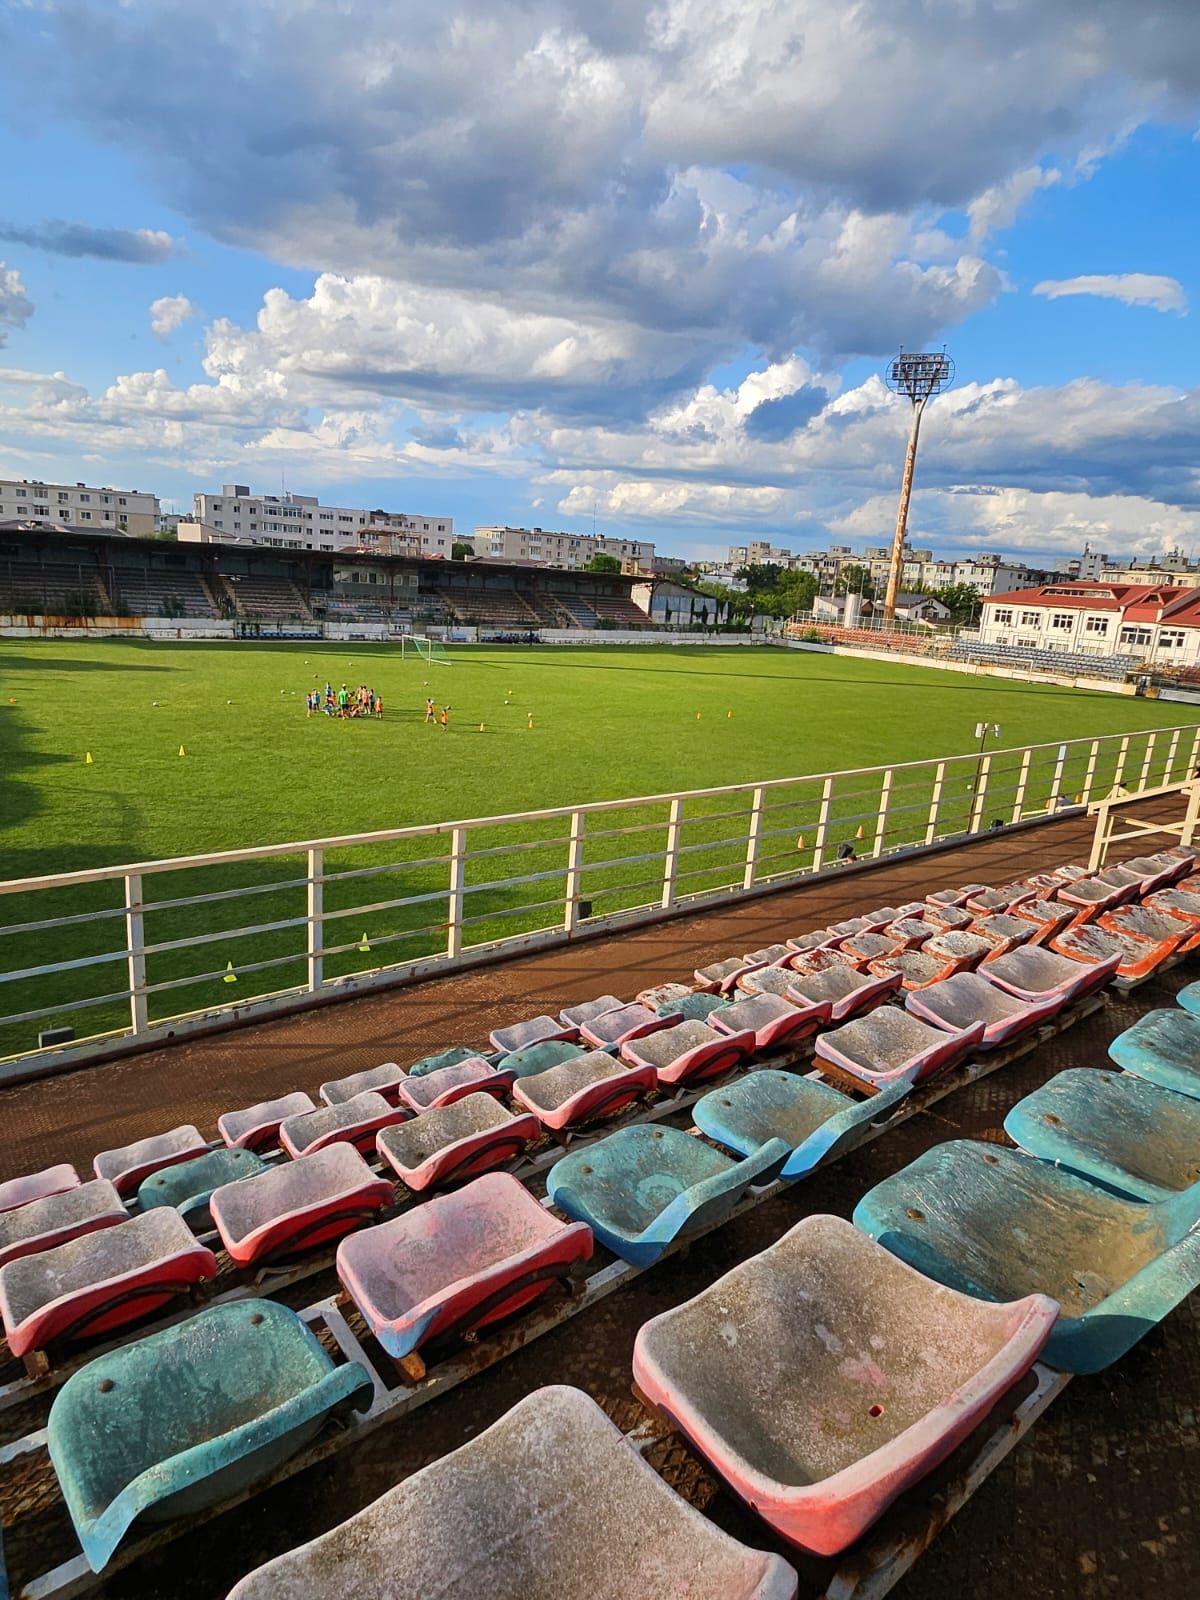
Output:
(429, 650)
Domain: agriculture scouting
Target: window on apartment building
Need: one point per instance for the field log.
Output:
(64, 514)
(1027, 644)
(1030, 619)
(254, 527)
(217, 523)
(326, 547)
(20, 494)
(108, 516)
(1134, 635)
(1170, 638)
(107, 499)
(1002, 618)
(1064, 620)
(1095, 625)
(83, 498)
(120, 499)
(85, 516)
(216, 505)
(62, 495)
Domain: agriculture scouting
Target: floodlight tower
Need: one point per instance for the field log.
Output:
(920, 375)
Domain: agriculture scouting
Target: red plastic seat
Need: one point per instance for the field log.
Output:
(455, 1142)
(891, 1044)
(355, 1122)
(774, 1020)
(42, 1224)
(257, 1127)
(37, 1186)
(475, 1075)
(297, 1206)
(384, 1079)
(690, 1052)
(624, 1024)
(578, 1092)
(127, 1166)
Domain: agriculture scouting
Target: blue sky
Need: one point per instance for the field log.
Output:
(519, 261)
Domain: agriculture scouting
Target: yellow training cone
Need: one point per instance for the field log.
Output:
(800, 844)
(12, 699)
(230, 974)
(87, 760)
(481, 728)
(858, 832)
(1078, 799)
(697, 716)
(729, 713)
(182, 751)
(531, 719)
(364, 944)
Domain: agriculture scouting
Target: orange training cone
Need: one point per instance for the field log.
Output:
(858, 832)
(800, 844)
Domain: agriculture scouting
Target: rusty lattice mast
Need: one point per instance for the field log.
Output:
(919, 375)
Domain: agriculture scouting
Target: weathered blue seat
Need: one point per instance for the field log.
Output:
(534, 1058)
(1163, 1046)
(180, 1420)
(443, 1058)
(641, 1188)
(817, 1123)
(188, 1186)
(1189, 998)
(1122, 1132)
(999, 1224)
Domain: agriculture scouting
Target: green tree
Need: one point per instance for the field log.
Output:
(797, 590)
(460, 551)
(961, 600)
(603, 563)
(855, 580)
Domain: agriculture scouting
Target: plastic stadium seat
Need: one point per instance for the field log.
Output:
(810, 941)
(537, 1057)
(578, 1092)
(910, 933)
(817, 1123)
(1032, 973)
(257, 1127)
(473, 1075)
(1179, 903)
(823, 1377)
(843, 930)
(188, 1186)
(1125, 1133)
(1163, 1046)
(844, 990)
(891, 1044)
(42, 1224)
(292, 1208)
(576, 1016)
(1189, 998)
(965, 997)
(1155, 872)
(697, 1007)
(1145, 922)
(128, 1166)
(870, 946)
(536, 1030)
(690, 1052)
(763, 980)
(663, 994)
(948, 917)
(443, 1058)
(624, 1024)
(1136, 958)
(984, 902)
(581, 1489)
(915, 969)
(1003, 932)
(641, 1188)
(37, 1186)
(721, 976)
(1088, 897)
(770, 953)
(101, 1281)
(824, 960)
(384, 1079)
(997, 1223)
(1047, 917)
(353, 1122)
(955, 897)
(456, 1141)
(957, 948)
(190, 1416)
(456, 1263)
(773, 1020)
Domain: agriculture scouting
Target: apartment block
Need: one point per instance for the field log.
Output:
(99, 508)
(301, 522)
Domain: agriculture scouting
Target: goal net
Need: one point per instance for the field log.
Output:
(429, 650)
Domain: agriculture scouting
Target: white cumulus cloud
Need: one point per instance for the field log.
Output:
(16, 307)
(1132, 288)
(169, 313)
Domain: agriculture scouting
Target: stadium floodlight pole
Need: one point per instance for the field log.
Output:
(920, 375)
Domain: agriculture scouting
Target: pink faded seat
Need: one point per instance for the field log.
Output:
(576, 1016)
(101, 1281)
(1089, 896)
(961, 949)
(824, 959)
(457, 1262)
(870, 946)
(297, 1206)
(663, 994)
(625, 1023)
(355, 1122)
(844, 989)
(384, 1079)
(1047, 917)
(455, 1142)
(1033, 973)
(42, 1224)
(475, 1075)
(985, 902)
(768, 954)
(536, 1030)
(815, 940)
(774, 1020)
(37, 1186)
(257, 1127)
(579, 1091)
(966, 997)
(891, 1044)
(955, 897)
(1002, 930)
(1136, 957)
(773, 979)
(946, 916)
(824, 1377)
(914, 968)
(128, 1166)
(721, 976)
(690, 1052)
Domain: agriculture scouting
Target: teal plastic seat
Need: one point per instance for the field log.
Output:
(444, 1058)
(540, 1057)
(1189, 998)
(180, 1420)
(818, 1124)
(1163, 1046)
(188, 1186)
(1125, 1133)
(999, 1224)
(642, 1187)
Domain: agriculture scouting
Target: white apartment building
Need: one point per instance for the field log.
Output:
(78, 505)
(1157, 623)
(301, 522)
(569, 551)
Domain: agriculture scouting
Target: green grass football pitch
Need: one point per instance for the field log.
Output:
(606, 723)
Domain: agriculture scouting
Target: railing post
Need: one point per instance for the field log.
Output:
(885, 799)
(1191, 816)
(753, 838)
(823, 823)
(1100, 837)
(1171, 749)
(1090, 774)
(455, 907)
(1056, 781)
(1195, 755)
(316, 913)
(1122, 753)
(574, 867)
(135, 943)
(671, 858)
(985, 767)
(1149, 757)
(1022, 784)
(935, 802)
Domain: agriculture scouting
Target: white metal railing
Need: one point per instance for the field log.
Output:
(156, 948)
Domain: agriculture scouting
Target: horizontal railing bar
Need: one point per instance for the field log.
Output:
(66, 1006)
(215, 895)
(48, 923)
(221, 933)
(515, 911)
(374, 872)
(384, 905)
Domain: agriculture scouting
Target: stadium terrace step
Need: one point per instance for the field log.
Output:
(844, 990)
(914, 968)
(817, 1123)
(37, 1186)
(576, 1016)
(997, 1223)
(1002, 931)
(42, 1224)
(957, 948)
(965, 997)
(1137, 958)
(690, 1052)
(641, 1188)
(257, 1127)
(1123, 1132)
(1032, 973)
(178, 1421)
(891, 1044)
(384, 1079)
(292, 1208)
(472, 1075)
(1047, 917)
(455, 1142)
(578, 1092)
(773, 1020)
(189, 1186)
(1164, 1046)
(948, 917)
(125, 1168)
(450, 1528)
(355, 1122)
(443, 1058)
(624, 1024)
(538, 1057)
(537, 1030)
(457, 1262)
(101, 1281)
(823, 1377)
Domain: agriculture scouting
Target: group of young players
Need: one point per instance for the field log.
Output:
(360, 702)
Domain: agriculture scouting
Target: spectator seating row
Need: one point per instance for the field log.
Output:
(1029, 659)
